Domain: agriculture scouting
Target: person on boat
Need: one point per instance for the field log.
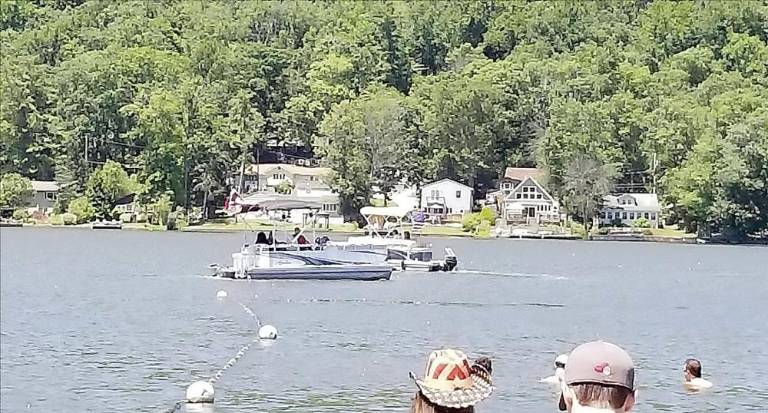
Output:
(599, 378)
(450, 384)
(298, 237)
(556, 378)
(692, 374)
(270, 238)
(261, 238)
(407, 235)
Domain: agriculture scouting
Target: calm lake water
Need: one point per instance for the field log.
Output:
(124, 321)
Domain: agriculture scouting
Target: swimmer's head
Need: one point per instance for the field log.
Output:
(561, 360)
(692, 369)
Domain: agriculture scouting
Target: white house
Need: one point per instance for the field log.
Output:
(446, 197)
(44, 195)
(628, 208)
(514, 176)
(530, 203)
(306, 181)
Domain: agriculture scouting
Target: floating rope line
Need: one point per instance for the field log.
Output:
(231, 362)
(251, 313)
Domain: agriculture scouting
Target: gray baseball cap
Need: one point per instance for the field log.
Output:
(599, 362)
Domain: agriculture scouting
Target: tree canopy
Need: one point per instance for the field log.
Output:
(181, 93)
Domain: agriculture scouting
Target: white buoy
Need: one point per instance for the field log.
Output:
(200, 392)
(268, 332)
(221, 294)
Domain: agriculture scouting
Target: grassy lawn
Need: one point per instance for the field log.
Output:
(668, 232)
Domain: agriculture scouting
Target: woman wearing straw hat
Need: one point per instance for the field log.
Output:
(451, 385)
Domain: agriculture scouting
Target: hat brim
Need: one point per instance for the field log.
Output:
(482, 388)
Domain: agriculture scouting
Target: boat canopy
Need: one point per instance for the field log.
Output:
(372, 211)
(289, 204)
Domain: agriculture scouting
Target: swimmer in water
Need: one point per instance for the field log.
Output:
(559, 371)
(692, 374)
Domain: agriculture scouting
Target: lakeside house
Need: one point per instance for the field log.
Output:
(514, 176)
(302, 181)
(44, 195)
(530, 203)
(289, 183)
(446, 199)
(625, 209)
(523, 198)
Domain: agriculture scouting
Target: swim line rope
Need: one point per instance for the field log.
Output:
(230, 363)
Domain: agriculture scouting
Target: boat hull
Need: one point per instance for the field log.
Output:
(361, 272)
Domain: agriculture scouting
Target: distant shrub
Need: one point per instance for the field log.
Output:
(647, 232)
(488, 214)
(21, 215)
(126, 217)
(69, 218)
(641, 223)
(603, 231)
(56, 219)
(82, 208)
(470, 222)
(617, 222)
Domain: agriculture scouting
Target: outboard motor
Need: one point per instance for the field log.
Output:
(450, 263)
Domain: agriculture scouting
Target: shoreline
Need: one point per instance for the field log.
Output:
(443, 232)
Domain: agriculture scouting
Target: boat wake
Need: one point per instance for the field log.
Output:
(512, 274)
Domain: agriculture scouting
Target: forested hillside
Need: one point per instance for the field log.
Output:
(674, 91)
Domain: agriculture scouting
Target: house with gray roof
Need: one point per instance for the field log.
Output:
(628, 208)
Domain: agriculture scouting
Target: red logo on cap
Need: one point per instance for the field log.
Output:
(603, 368)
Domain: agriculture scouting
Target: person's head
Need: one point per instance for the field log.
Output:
(407, 235)
(296, 231)
(261, 238)
(450, 384)
(692, 369)
(598, 375)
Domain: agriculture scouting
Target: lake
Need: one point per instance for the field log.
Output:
(123, 321)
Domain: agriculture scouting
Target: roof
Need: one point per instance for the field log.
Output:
(519, 174)
(267, 168)
(544, 191)
(447, 179)
(645, 202)
(45, 186)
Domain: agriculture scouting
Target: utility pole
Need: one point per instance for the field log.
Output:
(258, 176)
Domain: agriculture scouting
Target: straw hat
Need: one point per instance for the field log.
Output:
(449, 381)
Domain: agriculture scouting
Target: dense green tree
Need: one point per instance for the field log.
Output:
(585, 182)
(180, 94)
(106, 185)
(14, 190)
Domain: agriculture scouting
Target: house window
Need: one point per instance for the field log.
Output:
(518, 195)
(525, 195)
(506, 185)
(647, 215)
(538, 196)
(653, 216)
(312, 178)
(434, 194)
(623, 215)
(525, 189)
(51, 196)
(278, 176)
(610, 215)
(602, 215)
(458, 194)
(631, 215)
(330, 207)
